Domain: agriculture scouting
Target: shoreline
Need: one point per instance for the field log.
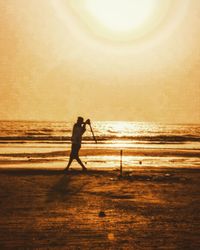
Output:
(190, 152)
(96, 170)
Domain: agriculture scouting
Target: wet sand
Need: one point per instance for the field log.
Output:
(146, 209)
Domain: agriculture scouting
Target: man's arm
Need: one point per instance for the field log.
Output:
(83, 128)
(84, 125)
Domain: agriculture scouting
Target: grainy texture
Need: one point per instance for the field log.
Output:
(146, 209)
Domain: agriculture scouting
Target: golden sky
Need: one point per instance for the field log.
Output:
(134, 60)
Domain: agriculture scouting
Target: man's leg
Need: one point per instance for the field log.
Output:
(69, 163)
(80, 162)
(78, 159)
(72, 156)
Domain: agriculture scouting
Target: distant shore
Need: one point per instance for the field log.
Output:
(146, 209)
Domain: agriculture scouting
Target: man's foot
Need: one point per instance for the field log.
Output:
(84, 169)
(66, 169)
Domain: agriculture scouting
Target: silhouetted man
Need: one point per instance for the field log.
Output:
(78, 130)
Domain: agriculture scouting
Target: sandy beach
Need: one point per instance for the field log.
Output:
(146, 209)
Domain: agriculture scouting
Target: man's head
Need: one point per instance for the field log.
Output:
(80, 120)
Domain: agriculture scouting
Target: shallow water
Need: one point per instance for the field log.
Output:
(47, 145)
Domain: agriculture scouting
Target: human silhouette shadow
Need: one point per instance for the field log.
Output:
(64, 189)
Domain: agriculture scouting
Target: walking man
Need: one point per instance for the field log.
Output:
(78, 130)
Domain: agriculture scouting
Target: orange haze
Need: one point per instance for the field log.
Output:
(51, 69)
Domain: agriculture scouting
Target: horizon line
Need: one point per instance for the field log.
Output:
(133, 121)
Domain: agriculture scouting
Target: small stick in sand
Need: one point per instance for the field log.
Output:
(121, 162)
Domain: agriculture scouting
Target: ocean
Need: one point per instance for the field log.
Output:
(28, 144)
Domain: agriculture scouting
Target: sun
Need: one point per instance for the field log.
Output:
(120, 20)
(120, 15)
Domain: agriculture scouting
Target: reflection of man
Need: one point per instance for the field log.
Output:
(78, 131)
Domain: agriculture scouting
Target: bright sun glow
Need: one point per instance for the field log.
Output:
(120, 20)
(121, 15)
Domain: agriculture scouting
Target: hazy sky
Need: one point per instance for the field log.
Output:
(60, 59)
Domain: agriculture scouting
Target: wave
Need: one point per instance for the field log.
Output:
(158, 139)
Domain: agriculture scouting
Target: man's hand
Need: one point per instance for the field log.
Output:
(87, 121)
